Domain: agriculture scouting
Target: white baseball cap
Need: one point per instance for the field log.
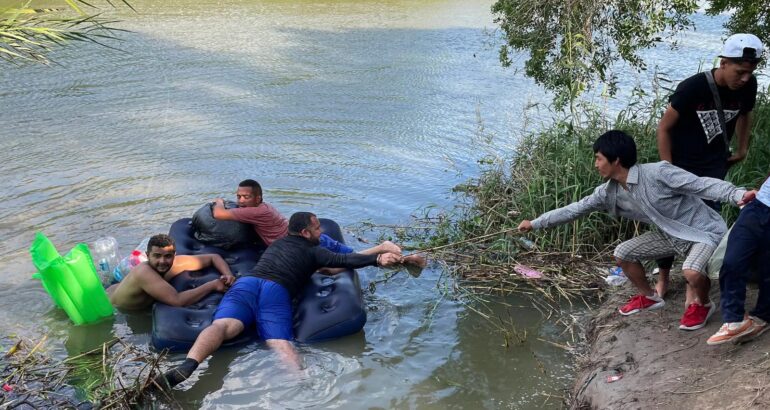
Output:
(744, 46)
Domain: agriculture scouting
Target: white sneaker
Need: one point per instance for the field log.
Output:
(730, 332)
(758, 326)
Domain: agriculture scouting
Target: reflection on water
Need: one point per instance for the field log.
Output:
(358, 110)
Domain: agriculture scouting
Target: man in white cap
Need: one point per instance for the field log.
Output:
(694, 135)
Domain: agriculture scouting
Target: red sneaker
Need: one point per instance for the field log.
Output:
(639, 303)
(696, 316)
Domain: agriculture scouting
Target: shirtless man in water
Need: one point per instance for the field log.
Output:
(148, 281)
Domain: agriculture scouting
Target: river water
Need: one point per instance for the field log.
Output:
(357, 110)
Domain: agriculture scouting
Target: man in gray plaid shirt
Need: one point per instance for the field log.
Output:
(666, 197)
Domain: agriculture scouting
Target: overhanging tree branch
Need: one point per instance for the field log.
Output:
(571, 45)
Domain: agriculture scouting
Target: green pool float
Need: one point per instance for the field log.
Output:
(71, 280)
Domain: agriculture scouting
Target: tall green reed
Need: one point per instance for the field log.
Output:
(554, 167)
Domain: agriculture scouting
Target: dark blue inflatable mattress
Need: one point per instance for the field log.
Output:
(328, 308)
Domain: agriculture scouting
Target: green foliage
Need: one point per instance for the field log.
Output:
(29, 34)
(554, 168)
(572, 44)
(749, 16)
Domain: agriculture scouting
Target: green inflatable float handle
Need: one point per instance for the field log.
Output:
(71, 280)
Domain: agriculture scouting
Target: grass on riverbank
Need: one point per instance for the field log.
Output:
(550, 169)
(113, 376)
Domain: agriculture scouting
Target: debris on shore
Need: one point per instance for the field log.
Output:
(115, 375)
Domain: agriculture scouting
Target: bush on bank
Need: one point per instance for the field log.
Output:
(554, 167)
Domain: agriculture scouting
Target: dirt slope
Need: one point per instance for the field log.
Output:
(663, 367)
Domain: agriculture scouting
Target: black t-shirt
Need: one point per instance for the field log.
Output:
(697, 144)
(290, 261)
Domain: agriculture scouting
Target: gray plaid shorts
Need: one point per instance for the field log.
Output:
(657, 245)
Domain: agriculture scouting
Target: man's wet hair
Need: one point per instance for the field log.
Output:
(300, 221)
(160, 240)
(616, 144)
(256, 189)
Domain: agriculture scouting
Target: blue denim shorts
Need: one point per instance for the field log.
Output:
(259, 301)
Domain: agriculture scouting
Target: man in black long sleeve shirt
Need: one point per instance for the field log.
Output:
(291, 261)
(264, 296)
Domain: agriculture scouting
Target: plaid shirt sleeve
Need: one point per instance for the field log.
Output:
(712, 189)
(597, 201)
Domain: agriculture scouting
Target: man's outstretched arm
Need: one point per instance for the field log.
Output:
(218, 211)
(711, 189)
(160, 290)
(594, 202)
(328, 259)
(198, 262)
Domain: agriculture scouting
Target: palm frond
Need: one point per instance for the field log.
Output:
(29, 34)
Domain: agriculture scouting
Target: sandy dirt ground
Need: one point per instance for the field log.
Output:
(662, 367)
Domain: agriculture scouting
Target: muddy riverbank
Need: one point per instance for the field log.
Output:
(662, 367)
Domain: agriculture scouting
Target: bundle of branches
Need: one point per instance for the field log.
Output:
(113, 376)
(568, 276)
(492, 263)
(509, 264)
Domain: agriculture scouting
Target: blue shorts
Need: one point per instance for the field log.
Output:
(337, 247)
(258, 301)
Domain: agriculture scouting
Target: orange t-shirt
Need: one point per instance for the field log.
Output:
(269, 224)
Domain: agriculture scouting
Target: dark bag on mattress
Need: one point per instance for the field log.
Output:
(218, 233)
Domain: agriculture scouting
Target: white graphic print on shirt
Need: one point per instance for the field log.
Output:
(710, 122)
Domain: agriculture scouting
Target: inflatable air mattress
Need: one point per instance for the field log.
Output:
(328, 308)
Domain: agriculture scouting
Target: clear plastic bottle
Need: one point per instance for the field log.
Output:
(526, 243)
(121, 270)
(105, 256)
(139, 253)
(616, 276)
(136, 257)
(142, 247)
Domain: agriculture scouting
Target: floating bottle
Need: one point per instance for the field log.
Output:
(105, 255)
(136, 257)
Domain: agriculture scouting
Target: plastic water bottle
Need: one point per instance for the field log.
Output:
(142, 247)
(139, 254)
(136, 257)
(616, 276)
(105, 255)
(125, 265)
(616, 270)
(121, 270)
(526, 243)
